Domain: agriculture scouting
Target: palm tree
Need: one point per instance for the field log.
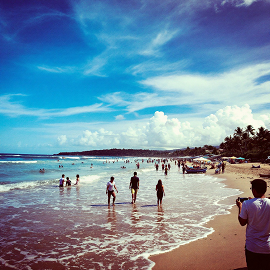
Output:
(248, 143)
(250, 130)
(238, 139)
(261, 132)
(238, 132)
(237, 144)
(261, 136)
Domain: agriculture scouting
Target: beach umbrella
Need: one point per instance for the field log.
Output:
(233, 157)
(240, 158)
(201, 159)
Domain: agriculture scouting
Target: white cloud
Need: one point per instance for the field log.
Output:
(116, 98)
(240, 2)
(95, 66)
(161, 67)
(57, 69)
(161, 131)
(160, 39)
(202, 93)
(62, 139)
(97, 138)
(15, 109)
(119, 117)
(266, 119)
(239, 86)
(232, 116)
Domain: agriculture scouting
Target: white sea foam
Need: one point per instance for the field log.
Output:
(18, 161)
(88, 157)
(26, 185)
(90, 178)
(70, 157)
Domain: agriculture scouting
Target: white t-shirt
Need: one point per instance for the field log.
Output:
(61, 181)
(257, 212)
(110, 185)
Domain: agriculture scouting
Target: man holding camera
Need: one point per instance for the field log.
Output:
(255, 213)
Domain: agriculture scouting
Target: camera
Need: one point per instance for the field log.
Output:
(242, 199)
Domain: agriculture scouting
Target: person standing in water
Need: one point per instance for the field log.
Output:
(77, 179)
(110, 190)
(62, 181)
(166, 170)
(68, 182)
(134, 186)
(160, 192)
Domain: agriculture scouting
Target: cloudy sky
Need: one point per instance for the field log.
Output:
(147, 74)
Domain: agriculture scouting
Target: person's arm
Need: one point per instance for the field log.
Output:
(138, 184)
(115, 188)
(107, 188)
(242, 221)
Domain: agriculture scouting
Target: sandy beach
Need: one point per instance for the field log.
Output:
(224, 249)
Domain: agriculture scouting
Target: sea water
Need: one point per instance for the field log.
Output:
(46, 227)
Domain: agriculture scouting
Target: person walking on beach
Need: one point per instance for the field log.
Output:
(110, 190)
(62, 181)
(183, 168)
(160, 192)
(255, 213)
(223, 165)
(134, 186)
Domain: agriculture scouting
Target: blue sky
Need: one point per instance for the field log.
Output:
(81, 75)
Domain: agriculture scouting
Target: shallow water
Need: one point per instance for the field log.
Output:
(47, 227)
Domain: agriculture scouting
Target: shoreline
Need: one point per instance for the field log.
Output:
(224, 248)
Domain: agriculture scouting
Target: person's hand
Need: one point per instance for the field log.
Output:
(106, 191)
(238, 203)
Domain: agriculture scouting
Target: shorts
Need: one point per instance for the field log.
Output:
(110, 192)
(134, 190)
(257, 261)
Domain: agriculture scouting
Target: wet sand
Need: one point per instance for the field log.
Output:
(224, 249)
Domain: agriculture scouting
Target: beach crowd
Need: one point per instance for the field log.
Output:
(253, 212)
(111, 188)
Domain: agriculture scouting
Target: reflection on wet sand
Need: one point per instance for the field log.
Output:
(111, 218)
(68, 190)
(78, 191)
(61, 191)
(160, 218)
(135, 215)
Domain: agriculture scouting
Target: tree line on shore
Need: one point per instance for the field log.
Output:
(245, 142)
(146, 153)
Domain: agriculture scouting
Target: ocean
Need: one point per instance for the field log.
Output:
(46, 227)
